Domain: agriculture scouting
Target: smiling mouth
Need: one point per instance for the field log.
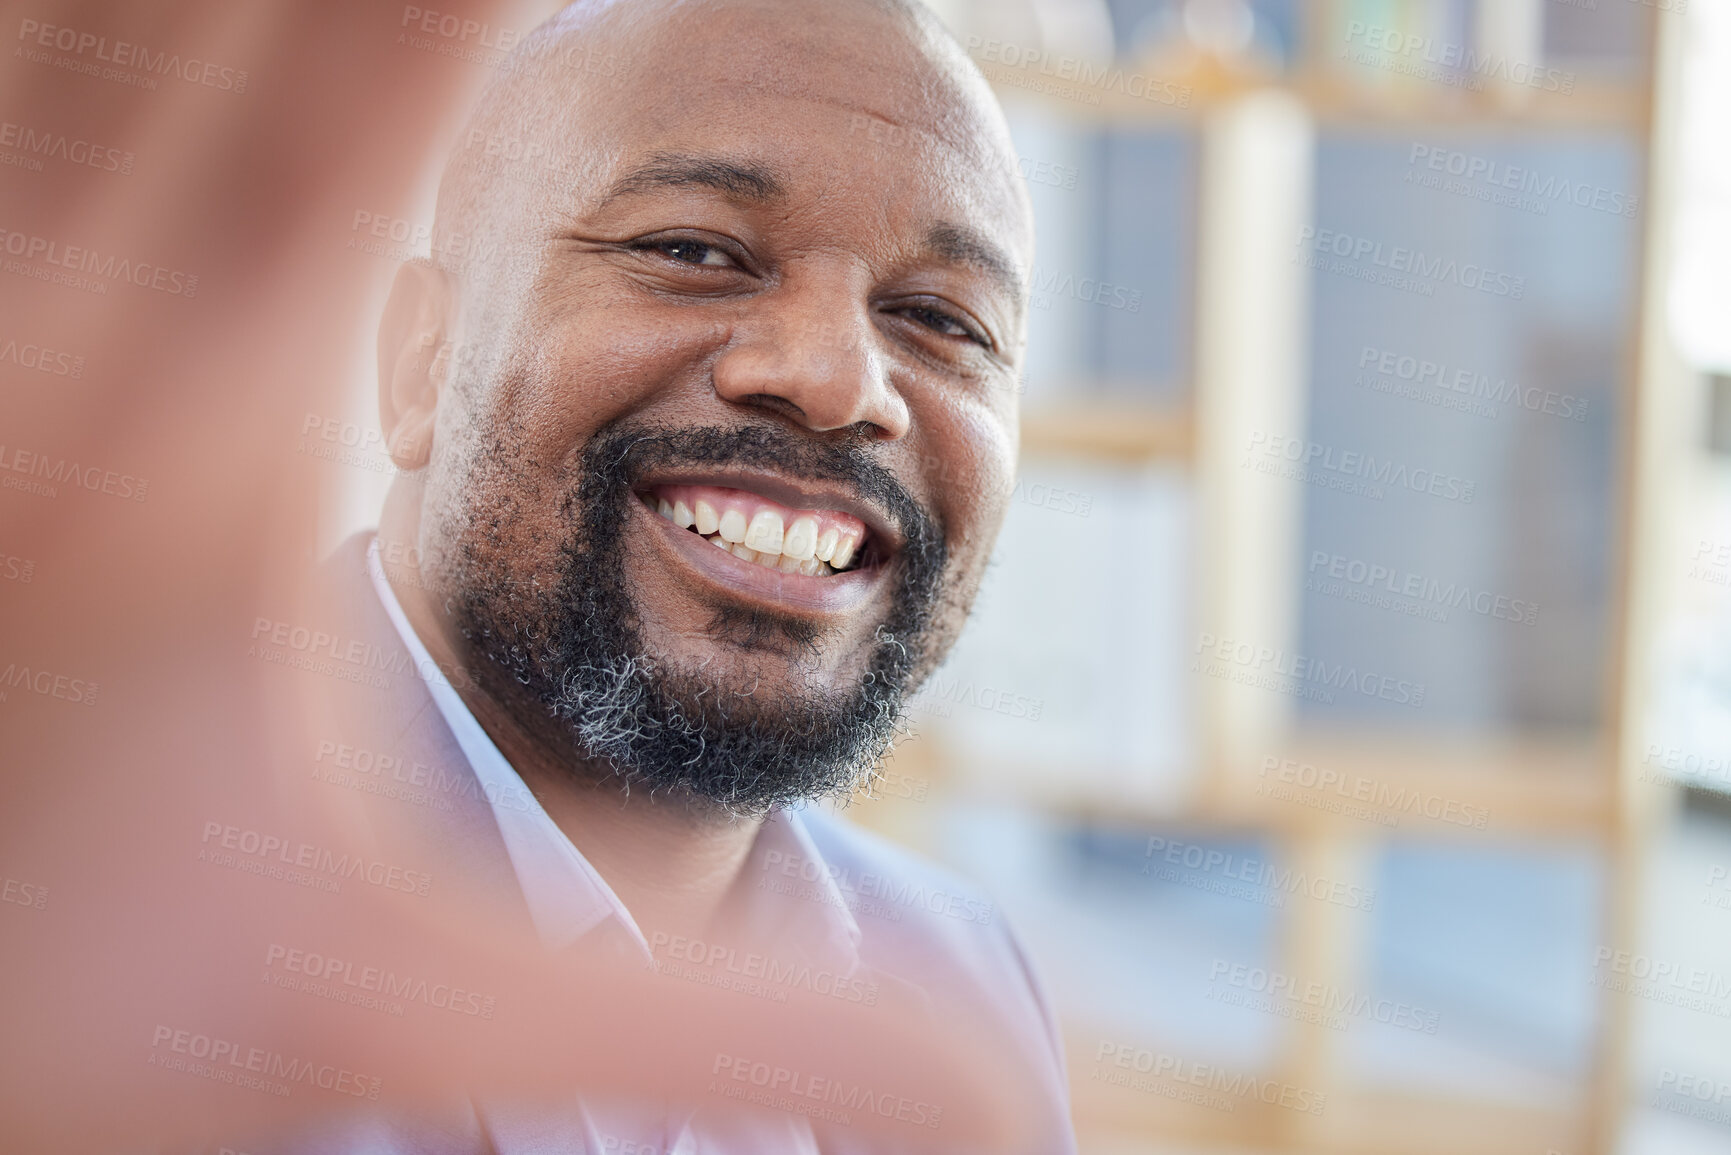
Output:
(810, 542)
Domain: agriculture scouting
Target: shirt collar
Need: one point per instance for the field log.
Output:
(788, 893)
(566, 897)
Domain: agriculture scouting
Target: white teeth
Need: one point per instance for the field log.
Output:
(766, 539)
(801, 539)
(765, 535)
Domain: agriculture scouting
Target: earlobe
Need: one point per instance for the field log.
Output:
(414, 336)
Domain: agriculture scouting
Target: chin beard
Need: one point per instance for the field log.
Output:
(574, 656)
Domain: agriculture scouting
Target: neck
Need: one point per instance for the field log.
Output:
(670, 859)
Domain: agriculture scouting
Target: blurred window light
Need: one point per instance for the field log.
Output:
(1700, 297)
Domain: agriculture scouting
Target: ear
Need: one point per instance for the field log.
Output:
(414, 353)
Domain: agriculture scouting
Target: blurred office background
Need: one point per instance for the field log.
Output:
(1546, 823)
(1345, 723)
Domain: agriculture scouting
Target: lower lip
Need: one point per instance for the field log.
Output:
(789, 592)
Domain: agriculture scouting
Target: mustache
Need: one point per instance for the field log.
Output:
(620, 456)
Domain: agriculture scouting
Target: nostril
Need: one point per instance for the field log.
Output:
(780, 406)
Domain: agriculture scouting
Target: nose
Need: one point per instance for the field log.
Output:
(812, 357)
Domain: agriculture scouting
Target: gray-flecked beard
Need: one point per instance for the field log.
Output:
(577, 653)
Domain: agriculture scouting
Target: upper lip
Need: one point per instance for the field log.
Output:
(795, 493)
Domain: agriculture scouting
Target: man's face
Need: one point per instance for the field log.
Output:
(750, 429)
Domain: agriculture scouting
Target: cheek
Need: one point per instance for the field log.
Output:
(604, 363)
(972, 466)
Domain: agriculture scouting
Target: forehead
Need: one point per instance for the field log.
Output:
(839, 99)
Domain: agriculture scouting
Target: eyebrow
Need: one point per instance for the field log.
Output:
(738, 180)
(753, 183)
(961, 245)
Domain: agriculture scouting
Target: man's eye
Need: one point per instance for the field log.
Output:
(941, 322)
(689, 252)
